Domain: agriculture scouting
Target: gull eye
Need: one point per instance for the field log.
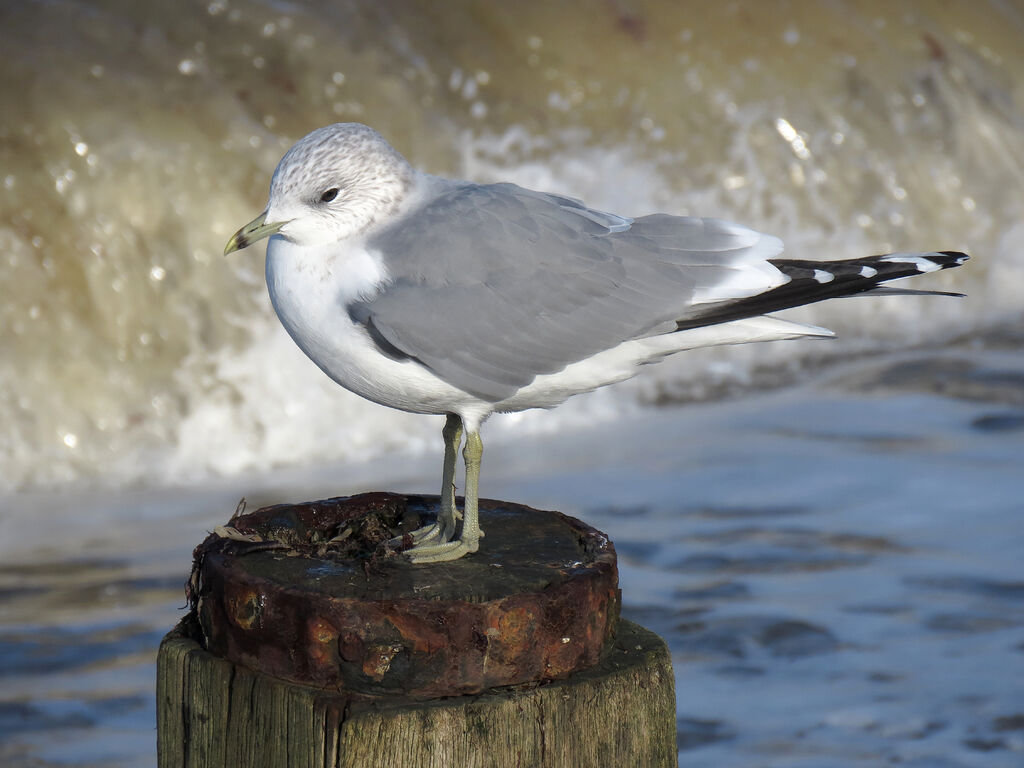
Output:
(329, 195)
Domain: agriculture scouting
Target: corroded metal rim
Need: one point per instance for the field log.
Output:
(310, 593)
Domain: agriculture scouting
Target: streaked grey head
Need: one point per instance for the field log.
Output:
(333, 183)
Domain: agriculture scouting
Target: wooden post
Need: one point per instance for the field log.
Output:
(309, 646)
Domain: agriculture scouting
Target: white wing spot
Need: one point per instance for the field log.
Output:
(823, 277)
(868, 271)
(921, 263)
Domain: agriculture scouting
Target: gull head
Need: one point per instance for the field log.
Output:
(334, 183)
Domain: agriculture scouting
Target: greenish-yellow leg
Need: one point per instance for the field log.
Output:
(469, 540)
(452, 434)
(442, 531)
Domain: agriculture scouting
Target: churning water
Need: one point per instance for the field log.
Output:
(135, 139)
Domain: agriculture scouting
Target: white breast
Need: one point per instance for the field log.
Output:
(309, 288)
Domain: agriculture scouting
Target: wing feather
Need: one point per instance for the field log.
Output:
(494, 285)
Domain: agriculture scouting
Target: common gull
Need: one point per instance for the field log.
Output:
(447, 297)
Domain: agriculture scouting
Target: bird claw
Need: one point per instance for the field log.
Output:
(440, 553)
(440, 532)
(436, 543)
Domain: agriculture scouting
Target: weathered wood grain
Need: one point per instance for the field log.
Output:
(215, 714)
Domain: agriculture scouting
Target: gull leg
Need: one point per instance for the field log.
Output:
(469, 540)
(472, 454)
(452, 434)
(442, 531)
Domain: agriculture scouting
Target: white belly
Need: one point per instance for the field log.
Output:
(309, 289)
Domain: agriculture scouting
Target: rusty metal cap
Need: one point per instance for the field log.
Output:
(312, 593)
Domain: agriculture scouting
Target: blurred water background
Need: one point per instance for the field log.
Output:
(828, 534)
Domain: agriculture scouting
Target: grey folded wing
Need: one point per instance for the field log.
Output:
(491, 286)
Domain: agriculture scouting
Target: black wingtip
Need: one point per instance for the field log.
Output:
(814, 281)
(958, 257)
(885, 290)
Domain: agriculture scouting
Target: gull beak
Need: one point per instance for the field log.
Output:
(255, 230)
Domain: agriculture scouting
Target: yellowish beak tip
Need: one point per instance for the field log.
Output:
(255, 230)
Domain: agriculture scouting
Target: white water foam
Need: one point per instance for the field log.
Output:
(133, 353)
